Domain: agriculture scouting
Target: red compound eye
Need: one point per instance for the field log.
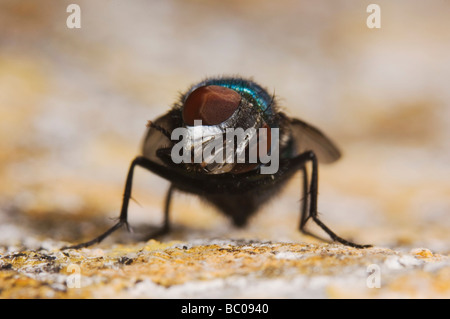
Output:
(212, 104)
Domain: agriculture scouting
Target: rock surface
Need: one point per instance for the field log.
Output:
(224, 269)
(74, 104)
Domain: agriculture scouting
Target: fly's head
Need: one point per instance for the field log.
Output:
(227, 121)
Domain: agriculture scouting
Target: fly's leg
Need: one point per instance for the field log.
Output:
(304, 211)
(123, 218)
(304, 217)
(313, 191)
(166, 224)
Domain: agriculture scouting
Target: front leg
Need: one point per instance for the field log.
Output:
(123, 218)
(313, 191)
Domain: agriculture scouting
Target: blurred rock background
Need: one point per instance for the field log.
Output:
(74, 104)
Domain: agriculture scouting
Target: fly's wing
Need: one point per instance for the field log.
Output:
(156, 139)
(308, 138)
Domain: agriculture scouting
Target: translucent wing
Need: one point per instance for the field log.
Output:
(157, 135)
(308, 138)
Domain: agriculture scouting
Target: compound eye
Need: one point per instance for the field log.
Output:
(213, 104)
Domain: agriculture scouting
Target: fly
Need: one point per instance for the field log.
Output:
(237, 188)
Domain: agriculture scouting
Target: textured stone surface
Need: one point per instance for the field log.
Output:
(74, 104)
(224, 269)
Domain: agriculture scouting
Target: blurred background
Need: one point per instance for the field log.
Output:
(74, 104)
